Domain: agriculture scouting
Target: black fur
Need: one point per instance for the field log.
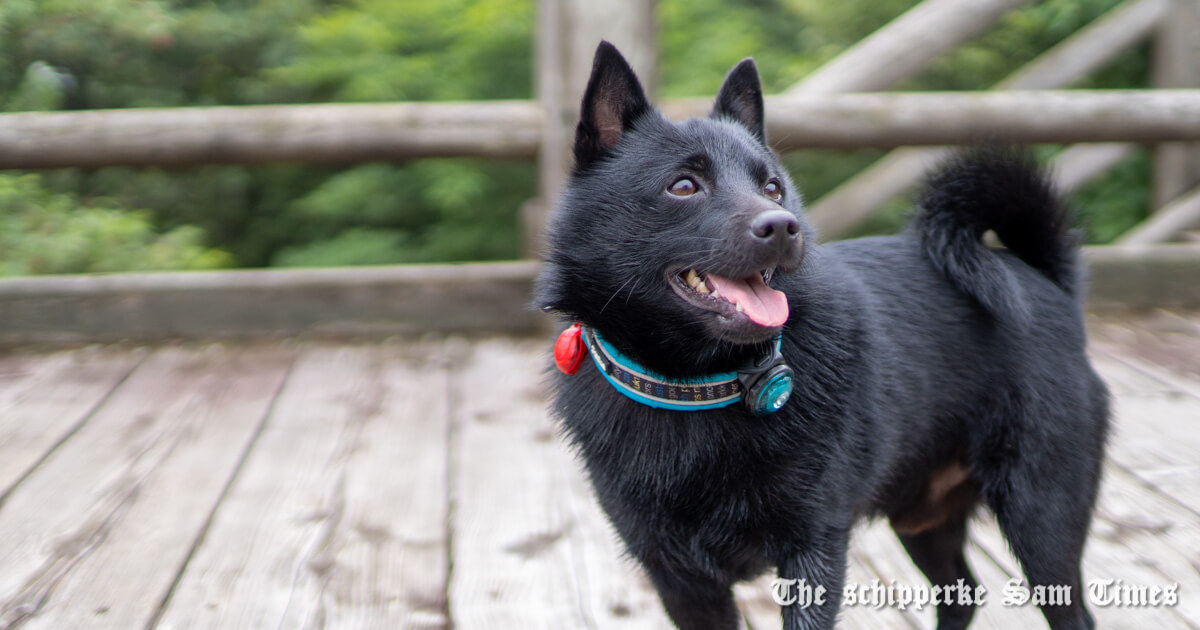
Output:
(914, 356)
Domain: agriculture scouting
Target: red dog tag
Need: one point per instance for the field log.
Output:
(569, 350)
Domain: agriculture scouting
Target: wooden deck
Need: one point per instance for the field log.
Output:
(420, 484)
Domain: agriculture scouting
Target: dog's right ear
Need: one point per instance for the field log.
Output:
(613, 100)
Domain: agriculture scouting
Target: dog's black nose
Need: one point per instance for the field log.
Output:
(775, 225)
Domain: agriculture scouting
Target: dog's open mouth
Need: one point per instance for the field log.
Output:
(748, 298)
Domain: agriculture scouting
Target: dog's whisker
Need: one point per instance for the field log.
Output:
(615, 293)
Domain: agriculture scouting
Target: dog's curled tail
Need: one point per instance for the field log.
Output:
(1002, 189)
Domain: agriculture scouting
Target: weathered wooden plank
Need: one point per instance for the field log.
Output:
(1142, 374)
(1164, 343)
(203, 444)
(94, 536)
(1140, 525)
(337, 519)
(1154, 436)
(278, 302)
(43, 399)
(20, 369)
(1150, 407)
(530, 548)
(512, 567)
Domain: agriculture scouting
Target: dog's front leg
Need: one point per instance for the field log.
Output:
(695, 602)
(810, 584)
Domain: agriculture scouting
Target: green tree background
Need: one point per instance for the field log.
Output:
(85, 54)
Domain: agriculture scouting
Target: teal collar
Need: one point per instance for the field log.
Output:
(764, 387)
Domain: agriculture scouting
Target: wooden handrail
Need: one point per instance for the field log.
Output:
(329, 133)
(399, 131)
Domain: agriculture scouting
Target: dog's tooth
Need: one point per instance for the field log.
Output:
(692, 278)
(716, 293)
(702, 288)
(740, 309)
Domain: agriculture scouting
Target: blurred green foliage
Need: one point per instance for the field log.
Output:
(82, 54)
(42, 231)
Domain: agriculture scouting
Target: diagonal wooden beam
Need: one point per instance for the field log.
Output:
(904, 46)
(1167, 222)
(1091, 48)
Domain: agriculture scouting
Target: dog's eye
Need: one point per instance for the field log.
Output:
(683, 187)
(773, 190)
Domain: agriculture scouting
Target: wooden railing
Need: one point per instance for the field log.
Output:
(815, 112)
(839, 105)
(409, 299)
(513, 130)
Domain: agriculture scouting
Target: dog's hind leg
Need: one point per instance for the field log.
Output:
(1049, 546)
(938, 552)
(1043, 503)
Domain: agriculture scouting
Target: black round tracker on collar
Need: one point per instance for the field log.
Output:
(768, 384)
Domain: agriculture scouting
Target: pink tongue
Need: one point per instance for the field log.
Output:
(762, 304)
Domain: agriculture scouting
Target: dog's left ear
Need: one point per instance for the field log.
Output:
(741, 99)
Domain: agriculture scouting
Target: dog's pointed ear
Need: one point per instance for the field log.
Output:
(613, 100)
(741, 100)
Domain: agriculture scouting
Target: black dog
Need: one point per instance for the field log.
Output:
(929, 373)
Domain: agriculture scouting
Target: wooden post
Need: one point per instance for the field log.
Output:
(1177, 65)
(568, 33)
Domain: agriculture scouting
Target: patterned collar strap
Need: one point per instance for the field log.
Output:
(655, 390)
